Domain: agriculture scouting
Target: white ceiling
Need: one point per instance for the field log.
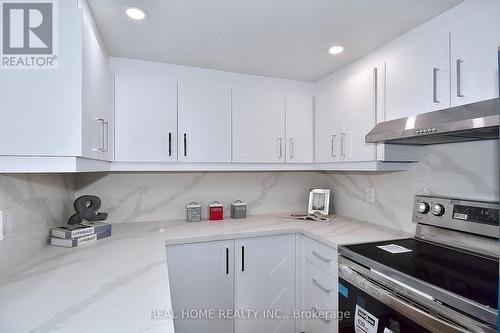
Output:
(278, 38)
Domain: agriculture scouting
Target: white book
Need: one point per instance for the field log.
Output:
(83, 229)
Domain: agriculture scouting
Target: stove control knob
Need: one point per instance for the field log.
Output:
(438, 210)
(423, 208)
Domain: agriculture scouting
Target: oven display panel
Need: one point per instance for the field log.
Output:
(476, 214)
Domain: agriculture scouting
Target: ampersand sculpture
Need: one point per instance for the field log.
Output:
(86, 208)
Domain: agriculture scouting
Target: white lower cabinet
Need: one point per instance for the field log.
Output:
(201, 277)
(247, 275)
(265, 281)
(320, 287)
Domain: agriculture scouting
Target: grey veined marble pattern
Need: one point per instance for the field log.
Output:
(468, 170)
(135, 197)
(464, 170)
(32, 204)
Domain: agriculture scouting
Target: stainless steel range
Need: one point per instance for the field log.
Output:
(445, 279)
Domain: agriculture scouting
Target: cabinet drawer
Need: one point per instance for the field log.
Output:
(321, 286)
(319, 325)
(322, 256)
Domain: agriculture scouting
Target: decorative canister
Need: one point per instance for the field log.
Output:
(193, 212)
(238, 209)
(215, 211)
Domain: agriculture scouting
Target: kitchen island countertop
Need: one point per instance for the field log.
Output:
(120, 284)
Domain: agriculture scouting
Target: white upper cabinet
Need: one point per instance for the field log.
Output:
(98, 104)
(355, 101)
(66, 111)
(146, 113)
(418, 79)
(299, 128)
(327, 127)
(474, 62)
(204, 133)
(258, 125)
(345, 113)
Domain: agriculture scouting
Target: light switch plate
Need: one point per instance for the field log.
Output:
(370, 195)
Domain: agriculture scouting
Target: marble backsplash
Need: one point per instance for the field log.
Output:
(135, 197)
(466, 170)
(31, 205)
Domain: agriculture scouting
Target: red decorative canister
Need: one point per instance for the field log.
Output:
(215, 211)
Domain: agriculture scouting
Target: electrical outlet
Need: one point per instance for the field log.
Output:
(370, 195)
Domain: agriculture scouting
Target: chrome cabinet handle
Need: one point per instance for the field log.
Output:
(326, 321)
(375, 92)
(280, 149)
(342, 142)
(242, 258)
(435, 70)
(227, 261)
(459, 78)
(317, 284)
(292, 148)
(102, 146)
(332, 151)
(185, 144)
(103, 134)
(106, 123)
(316, 254)
(169, 143)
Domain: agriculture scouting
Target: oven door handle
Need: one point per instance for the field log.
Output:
(430, 322)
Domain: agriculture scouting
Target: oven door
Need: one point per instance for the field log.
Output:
(370, 307)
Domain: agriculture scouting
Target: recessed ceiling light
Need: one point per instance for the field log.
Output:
(135, 13)
(336, 49)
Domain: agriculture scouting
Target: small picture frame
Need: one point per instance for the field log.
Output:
(319, 202)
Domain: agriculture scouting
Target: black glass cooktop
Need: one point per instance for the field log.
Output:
(470, 276)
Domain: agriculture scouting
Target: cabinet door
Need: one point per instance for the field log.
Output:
(204, 122)
(98, 113)
(418, 79)
(299, 128)
(146, 114)
(258, 125)
(327, 126)
(42, 109)
(201, 277)
(474, 71)
(356, 106)
(265, 280)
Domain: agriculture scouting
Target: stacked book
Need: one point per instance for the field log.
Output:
(80, 234)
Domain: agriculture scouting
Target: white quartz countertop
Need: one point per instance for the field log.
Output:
(113, 285)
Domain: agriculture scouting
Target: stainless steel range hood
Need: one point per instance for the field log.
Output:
(477, 121)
